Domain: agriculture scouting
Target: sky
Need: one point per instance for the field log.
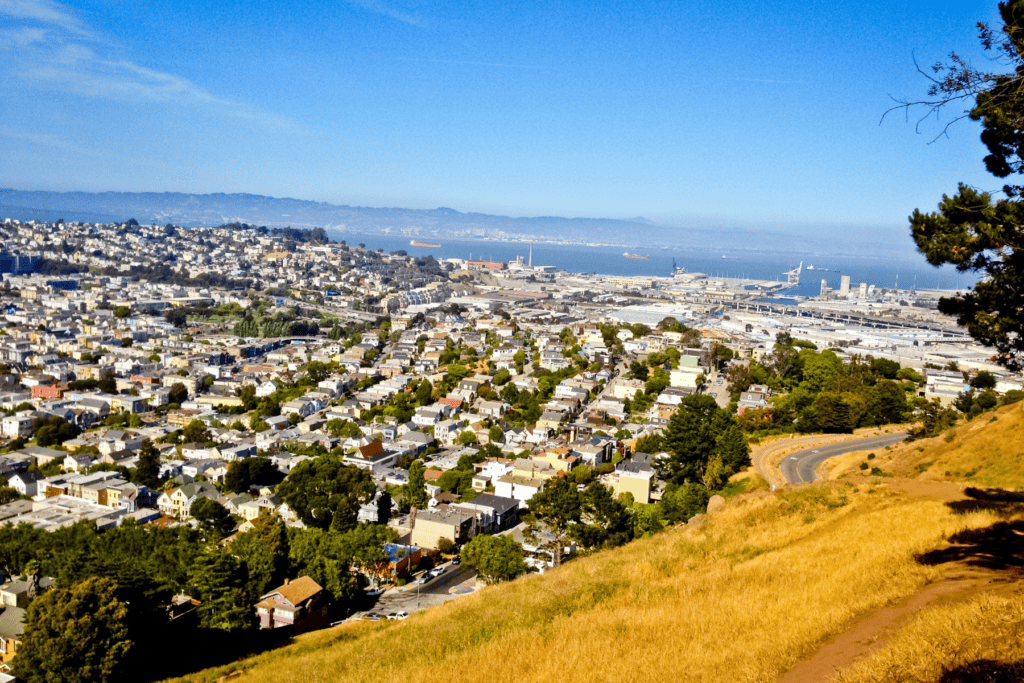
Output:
(689, 113)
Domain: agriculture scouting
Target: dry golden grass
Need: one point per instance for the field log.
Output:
(761, 585)
(982, 640)
(983, 452)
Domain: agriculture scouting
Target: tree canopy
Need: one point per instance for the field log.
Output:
(326, 493)
(971, 230)
(496, 558)
(698, 433)
(76, 634)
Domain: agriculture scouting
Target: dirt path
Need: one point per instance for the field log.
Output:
(988, 560)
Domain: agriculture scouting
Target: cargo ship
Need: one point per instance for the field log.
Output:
(639, 256)
(424, 244)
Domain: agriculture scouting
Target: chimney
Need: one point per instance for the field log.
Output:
(287, 581)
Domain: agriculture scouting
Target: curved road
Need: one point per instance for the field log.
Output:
(799, 468)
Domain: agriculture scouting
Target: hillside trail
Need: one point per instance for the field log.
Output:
(988, 560)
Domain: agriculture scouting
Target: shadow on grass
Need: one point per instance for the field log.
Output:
(203, 649)
(998, 547)
(1005, 502)
(985, 671)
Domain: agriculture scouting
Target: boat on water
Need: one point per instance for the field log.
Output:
(424, 244)
(639, 256)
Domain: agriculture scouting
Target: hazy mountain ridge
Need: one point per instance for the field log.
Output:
(207, 210)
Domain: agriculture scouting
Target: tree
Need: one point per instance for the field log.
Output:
(213, 517)
(147, 468)
(218, 580)
(326, 493)
(424, 391)
(553, 511)
(605, 521)
(495, 434)
(176, 316)
(178, 393)
(77, 635)
(694, 436)
(264, 550)
(495, 558)
(196, 432)
(983, 380)
(970, 230)
(416, 489)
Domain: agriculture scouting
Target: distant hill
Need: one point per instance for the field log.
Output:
(194, 210)
(210, 210)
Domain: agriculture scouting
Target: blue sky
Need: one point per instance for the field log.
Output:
(693, 113)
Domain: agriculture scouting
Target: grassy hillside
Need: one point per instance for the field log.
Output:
(987, 452)
(743, 597)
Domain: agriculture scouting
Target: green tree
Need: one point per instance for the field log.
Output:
(605, 521)
(553, 511)
(680, 503)
(213, 518)
(970, 230)
(834, 413)
(424, 391)
(76, 635)
(196, 432)
(325, 492)
(147, 467)
(219, 580)
(178, 393)
(416, 489)
(264, 551)
(495, 558)
(983, 379)
(694, 436)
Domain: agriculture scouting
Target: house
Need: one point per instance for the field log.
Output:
(178, 502)
(430, 526)
(493, 513)
(372, 457)
(634, 477)
(518, 487)
(25, 482)
(301, 604)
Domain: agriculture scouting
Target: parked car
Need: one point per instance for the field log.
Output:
(373, 616)
(398, 616)
(456, 561)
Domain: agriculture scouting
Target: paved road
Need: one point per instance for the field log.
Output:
(799, 468)
(432, 593)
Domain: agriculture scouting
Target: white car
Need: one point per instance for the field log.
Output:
(398, 616)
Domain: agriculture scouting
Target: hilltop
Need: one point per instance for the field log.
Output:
(803, 580)
(984, 452)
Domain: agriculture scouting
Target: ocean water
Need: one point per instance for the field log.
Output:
(906, 268)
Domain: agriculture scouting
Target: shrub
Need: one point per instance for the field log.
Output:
(871, 456)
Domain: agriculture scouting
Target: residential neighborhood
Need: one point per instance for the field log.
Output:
(214, 386)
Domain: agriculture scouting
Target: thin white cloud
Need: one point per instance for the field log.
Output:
(46, 12)
(381, 8)
(23, 37)
(60, 58)
(39, 139)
